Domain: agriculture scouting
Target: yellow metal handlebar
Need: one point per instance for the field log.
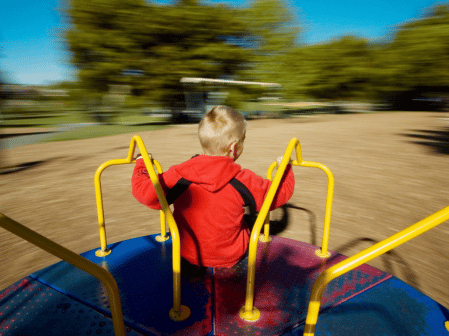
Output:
(178, 312)
(265, 238)
(248, 312)
(323, 253)
(330, 194)
(364, 256)
(104, 251)
(76, 260)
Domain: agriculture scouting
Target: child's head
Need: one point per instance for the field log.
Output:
(222, 131)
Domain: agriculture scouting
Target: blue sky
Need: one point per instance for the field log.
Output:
(32, 51)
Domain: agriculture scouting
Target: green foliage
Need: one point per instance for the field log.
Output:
(148, 48)
(151, 47)
(340, 69)
(414, 62)
(418, 57)
(273, 31)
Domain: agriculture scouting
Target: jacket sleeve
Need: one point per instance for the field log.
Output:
(142, 187)
(259, 187)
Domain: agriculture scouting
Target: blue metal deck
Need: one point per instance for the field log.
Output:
(62, 300)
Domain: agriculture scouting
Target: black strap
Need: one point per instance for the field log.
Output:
(183, 184)
(177, 190)
(248, 198)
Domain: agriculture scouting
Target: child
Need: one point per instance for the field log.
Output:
(209, 192)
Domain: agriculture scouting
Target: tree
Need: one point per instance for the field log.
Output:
(151, 47)
(417, 60)
(339, 69)
(273, 30)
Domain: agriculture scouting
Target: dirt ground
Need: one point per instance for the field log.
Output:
(390, 169)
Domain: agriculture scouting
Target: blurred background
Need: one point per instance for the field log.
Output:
(86, 69)
(121, 62)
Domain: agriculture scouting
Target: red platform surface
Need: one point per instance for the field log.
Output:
(286, 271)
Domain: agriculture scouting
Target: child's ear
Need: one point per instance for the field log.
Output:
(232, 149)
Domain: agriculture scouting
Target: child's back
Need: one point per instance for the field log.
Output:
(209, 193)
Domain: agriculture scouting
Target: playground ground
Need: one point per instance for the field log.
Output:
(390, 169)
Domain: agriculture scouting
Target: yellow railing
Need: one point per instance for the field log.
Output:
(178, 312)
(248, 312)
(364, 256)
(266, 224)
(104, 251)
(323, 253)
(76, 260)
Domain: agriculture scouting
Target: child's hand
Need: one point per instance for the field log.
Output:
(279, 160)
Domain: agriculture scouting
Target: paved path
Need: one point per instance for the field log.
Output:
(21, 140)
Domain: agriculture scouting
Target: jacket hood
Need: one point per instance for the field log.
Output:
(209, 172)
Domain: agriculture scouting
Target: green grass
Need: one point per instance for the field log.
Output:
(259, 106)
(98, 131)
(121, 124)
(138, 119)
(44, 120)
(71, 117)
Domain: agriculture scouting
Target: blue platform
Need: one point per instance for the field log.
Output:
(62, 300)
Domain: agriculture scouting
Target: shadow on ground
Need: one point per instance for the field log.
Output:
(393, 262)
(279, 225)
(20, 167)
(276, 226)
(436, 140)
(12, 135)
(389, 259)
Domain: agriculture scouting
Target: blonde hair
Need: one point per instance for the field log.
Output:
(219, 128)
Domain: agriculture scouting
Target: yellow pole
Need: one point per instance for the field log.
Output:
(265, 238)
(76, 260)
(178, 312)
(248, 312)
(163, 236)
(104, 251)
(324, 253)
(100, 212)
(363, 257)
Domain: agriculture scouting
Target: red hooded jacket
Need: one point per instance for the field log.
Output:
(209, 213)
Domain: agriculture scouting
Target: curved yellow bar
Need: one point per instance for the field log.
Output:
(330, 194)
(324, 253)
(265, 238)
(178, 312)
(104, 251)
(364, 256)
(249, 312)
(163, 236)
(329, 198)
(76, 260)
